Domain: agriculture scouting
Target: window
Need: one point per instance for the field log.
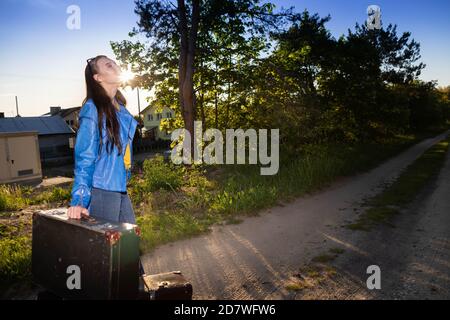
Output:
(168, 115)
(158, 116)
(150, 117)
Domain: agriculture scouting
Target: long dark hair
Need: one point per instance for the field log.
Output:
(105, 107)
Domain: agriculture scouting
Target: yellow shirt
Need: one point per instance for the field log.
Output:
(127, 157)
(117, 106)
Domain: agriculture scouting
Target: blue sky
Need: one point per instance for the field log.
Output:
(42, 62)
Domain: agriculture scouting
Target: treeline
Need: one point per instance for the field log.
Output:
(360, 87)
(253, 68)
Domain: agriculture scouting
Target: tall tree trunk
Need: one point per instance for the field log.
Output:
(216, 103)
(186, 65)
(229, 91)
(202, 110)
(202, 96)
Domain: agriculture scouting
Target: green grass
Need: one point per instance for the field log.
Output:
(404, 190)
(310, 276)
(337, 250)
(324, 258)
(55, 194)
(166, 227)
(15, 259)
(16, 197)
(246, 191)
(297, 286)
(12, 198)
(161, 175)
(200, 196)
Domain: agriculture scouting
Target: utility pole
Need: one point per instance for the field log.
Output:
(17, 107)
(139, 111)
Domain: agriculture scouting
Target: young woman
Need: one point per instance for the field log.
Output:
(103, 149)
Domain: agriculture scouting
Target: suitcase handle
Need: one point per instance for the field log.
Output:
(87, 218)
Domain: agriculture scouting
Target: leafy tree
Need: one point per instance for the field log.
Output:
(239, 64)
(194, 48)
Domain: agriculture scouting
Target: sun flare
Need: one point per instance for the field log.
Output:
(126, 75)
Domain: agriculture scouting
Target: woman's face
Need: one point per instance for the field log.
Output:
(108, 71)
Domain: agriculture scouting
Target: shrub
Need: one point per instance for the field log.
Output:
(15, 259)
(12, 198)
(161, 175)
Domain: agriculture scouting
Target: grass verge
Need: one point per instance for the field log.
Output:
(404, 190)
(209, 195)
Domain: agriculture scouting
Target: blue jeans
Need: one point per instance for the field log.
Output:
(113, 206)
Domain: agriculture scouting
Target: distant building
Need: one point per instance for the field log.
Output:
(20, 161)
(54, 136)
(152, 120)
(70, 115)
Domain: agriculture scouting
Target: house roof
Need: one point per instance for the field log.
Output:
(44, 125)
(151, 107)
(146, 108)
(63, 112)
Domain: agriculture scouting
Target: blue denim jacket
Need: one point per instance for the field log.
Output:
(105, 171)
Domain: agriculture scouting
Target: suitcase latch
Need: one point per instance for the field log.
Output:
(112, 236)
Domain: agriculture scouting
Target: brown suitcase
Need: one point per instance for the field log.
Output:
(166, 286)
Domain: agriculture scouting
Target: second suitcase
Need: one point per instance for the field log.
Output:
(167, 286)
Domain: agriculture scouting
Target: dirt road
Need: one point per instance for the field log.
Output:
(413, 254)
(255, 259)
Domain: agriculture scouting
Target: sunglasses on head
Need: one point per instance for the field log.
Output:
(89, 63)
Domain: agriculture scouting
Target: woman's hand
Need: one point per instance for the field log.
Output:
(76, 212)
